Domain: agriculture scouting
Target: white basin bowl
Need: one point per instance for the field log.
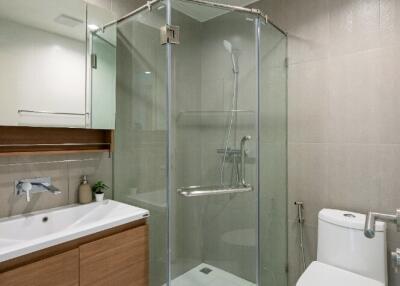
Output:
(23, 234)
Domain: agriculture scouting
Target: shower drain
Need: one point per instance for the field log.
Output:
(205, 270)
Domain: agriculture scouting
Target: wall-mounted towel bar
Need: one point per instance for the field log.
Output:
(49, 162)
(20, 111)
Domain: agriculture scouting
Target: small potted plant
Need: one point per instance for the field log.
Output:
(98, 190)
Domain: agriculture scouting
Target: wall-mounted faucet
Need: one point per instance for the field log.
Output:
(369, 231)
(38, 185)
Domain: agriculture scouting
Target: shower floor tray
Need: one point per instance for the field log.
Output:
(202, 276)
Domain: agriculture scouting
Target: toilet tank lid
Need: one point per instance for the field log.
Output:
(347, 219)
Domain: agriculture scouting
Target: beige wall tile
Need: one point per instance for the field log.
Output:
(308, 28)
(65, 176)
(389, 22)
(354, 26)
(308, 110)
(354, 98)
(308, 171)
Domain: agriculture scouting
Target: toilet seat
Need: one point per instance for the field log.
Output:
(321, 274)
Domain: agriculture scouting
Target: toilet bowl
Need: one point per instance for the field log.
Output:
(345, 256)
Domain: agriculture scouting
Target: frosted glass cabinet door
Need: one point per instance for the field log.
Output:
(43, 63)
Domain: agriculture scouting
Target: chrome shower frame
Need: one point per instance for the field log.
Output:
(149, 5)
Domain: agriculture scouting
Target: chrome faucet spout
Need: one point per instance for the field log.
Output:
(49, 188)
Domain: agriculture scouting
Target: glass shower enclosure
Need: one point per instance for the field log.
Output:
(200, 140)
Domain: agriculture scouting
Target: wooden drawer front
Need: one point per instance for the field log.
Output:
(58, 270)
(120, 259)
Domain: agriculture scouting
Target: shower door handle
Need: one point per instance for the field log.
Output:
(197, 191)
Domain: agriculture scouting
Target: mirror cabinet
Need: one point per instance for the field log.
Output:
(57, 69)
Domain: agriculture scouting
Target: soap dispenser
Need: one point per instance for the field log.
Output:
(85, 191)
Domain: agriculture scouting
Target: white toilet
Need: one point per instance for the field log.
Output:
(345, 256)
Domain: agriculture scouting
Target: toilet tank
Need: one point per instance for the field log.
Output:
(341, 243)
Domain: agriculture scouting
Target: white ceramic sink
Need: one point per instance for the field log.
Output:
(23, 234)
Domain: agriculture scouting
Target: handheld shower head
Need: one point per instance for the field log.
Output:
(228, 46)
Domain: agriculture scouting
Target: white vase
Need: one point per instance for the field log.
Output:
(99, 197)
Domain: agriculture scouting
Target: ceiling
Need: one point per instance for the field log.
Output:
(203, 13)
(41, 14)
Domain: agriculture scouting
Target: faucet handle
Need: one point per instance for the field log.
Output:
(395, 257)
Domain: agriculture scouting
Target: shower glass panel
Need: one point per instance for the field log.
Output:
(273, 156)
(200, 141)
(214, 114)
(141, 134)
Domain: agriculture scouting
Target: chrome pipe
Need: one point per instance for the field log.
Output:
(243, 159)
(150, 4)
(372, 217)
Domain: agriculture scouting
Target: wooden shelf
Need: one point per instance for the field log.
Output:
(16, 140)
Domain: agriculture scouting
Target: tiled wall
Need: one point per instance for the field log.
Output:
(66, 176)
(344, 127)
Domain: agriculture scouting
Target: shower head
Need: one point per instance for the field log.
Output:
(228, 46)
(234, 56)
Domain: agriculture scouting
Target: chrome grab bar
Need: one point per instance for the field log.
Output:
(369, 232)
(369, 229)
(197, 191)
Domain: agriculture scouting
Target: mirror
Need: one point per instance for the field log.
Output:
(45, 74)
(102, 53)
(43, 62)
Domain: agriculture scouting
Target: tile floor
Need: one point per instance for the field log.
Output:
(216, 277)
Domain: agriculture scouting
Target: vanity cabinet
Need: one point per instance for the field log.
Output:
(60, 270)
(113, 257)
(119, 259)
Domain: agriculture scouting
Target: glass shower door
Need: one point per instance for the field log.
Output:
(200, 142)
(141, 134)
(213, 188)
